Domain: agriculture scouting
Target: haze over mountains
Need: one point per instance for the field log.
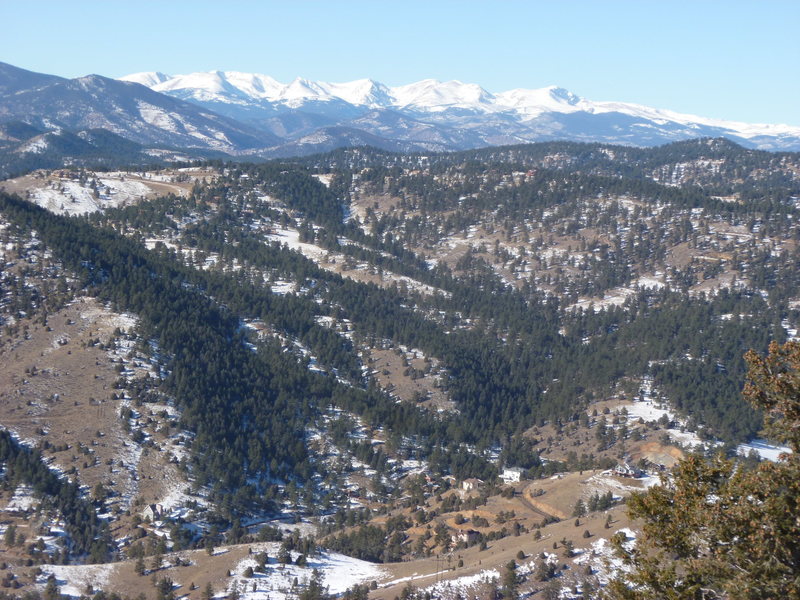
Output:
(46, 121)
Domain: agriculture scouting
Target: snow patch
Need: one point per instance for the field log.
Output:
(339, 573)
(73, 580)
(764, 449)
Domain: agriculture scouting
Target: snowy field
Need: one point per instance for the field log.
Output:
(22, 500)
(462, 585)
(764, 449)
(291, 237)
(339, 573)
(600, 556)
(73, 580)
(618, 296)
(606, 481)
(74, 198)
(649, 410)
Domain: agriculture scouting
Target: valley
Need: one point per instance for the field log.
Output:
(397, 369)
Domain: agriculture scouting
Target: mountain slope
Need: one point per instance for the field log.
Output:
(175, 117)
(515, 115)
(217, 353)
(126, 109)
(14, 80)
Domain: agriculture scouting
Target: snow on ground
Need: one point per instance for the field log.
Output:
(175, 496)
(124, 189)
(291, 237)
(56, 538)
(91, 312)
(618, 296)
(687, 439)
(74, 198)
(339, 573)
(22, 500)
(156, 116)
(764, 449)
(648, 409)
(35, 146)
(791, 332)
(413, 577)
(128, 457)
(74, 579)
(304, 528)
(649, 282)
(462, 584)
(342, 572)
(414, 284)
(70, 199)
(414, 467)
(324, 179)
(283, 287)
(605, 481)
(600, 556)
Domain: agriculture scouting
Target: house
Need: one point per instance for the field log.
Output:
(471, 484)
(512, 475)
(153, 512)
(626, 470)
(467, 536)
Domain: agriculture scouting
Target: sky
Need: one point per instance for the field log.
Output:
(727, 59)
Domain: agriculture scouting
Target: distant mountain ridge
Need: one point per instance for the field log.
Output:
(132, 111)
(255, 116)
(518, 115)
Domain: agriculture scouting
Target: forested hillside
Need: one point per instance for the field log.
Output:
(305, 335)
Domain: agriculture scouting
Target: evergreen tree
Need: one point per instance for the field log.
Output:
(715, 530)
(208, 592)
(51, 591)
(510, 582)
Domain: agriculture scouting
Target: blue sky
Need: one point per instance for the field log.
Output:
(725, 58)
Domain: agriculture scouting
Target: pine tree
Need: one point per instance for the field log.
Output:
(139, 567)
(716, 530)
(208, 592)
(10, 536)
(510, 582)
(51, 591)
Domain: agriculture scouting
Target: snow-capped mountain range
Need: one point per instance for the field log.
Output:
(128, 110)
(245, 114)
(484, 118)
(428, 95)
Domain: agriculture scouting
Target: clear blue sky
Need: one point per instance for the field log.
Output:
(725, 58)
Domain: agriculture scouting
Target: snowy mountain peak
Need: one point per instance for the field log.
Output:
(206, 84)
(233, 86)
(531, 103)
(302, 89)
(147, 78)
(254, 84)
(361, 92)
(512, 116)
(437, 95)
(564, 95)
